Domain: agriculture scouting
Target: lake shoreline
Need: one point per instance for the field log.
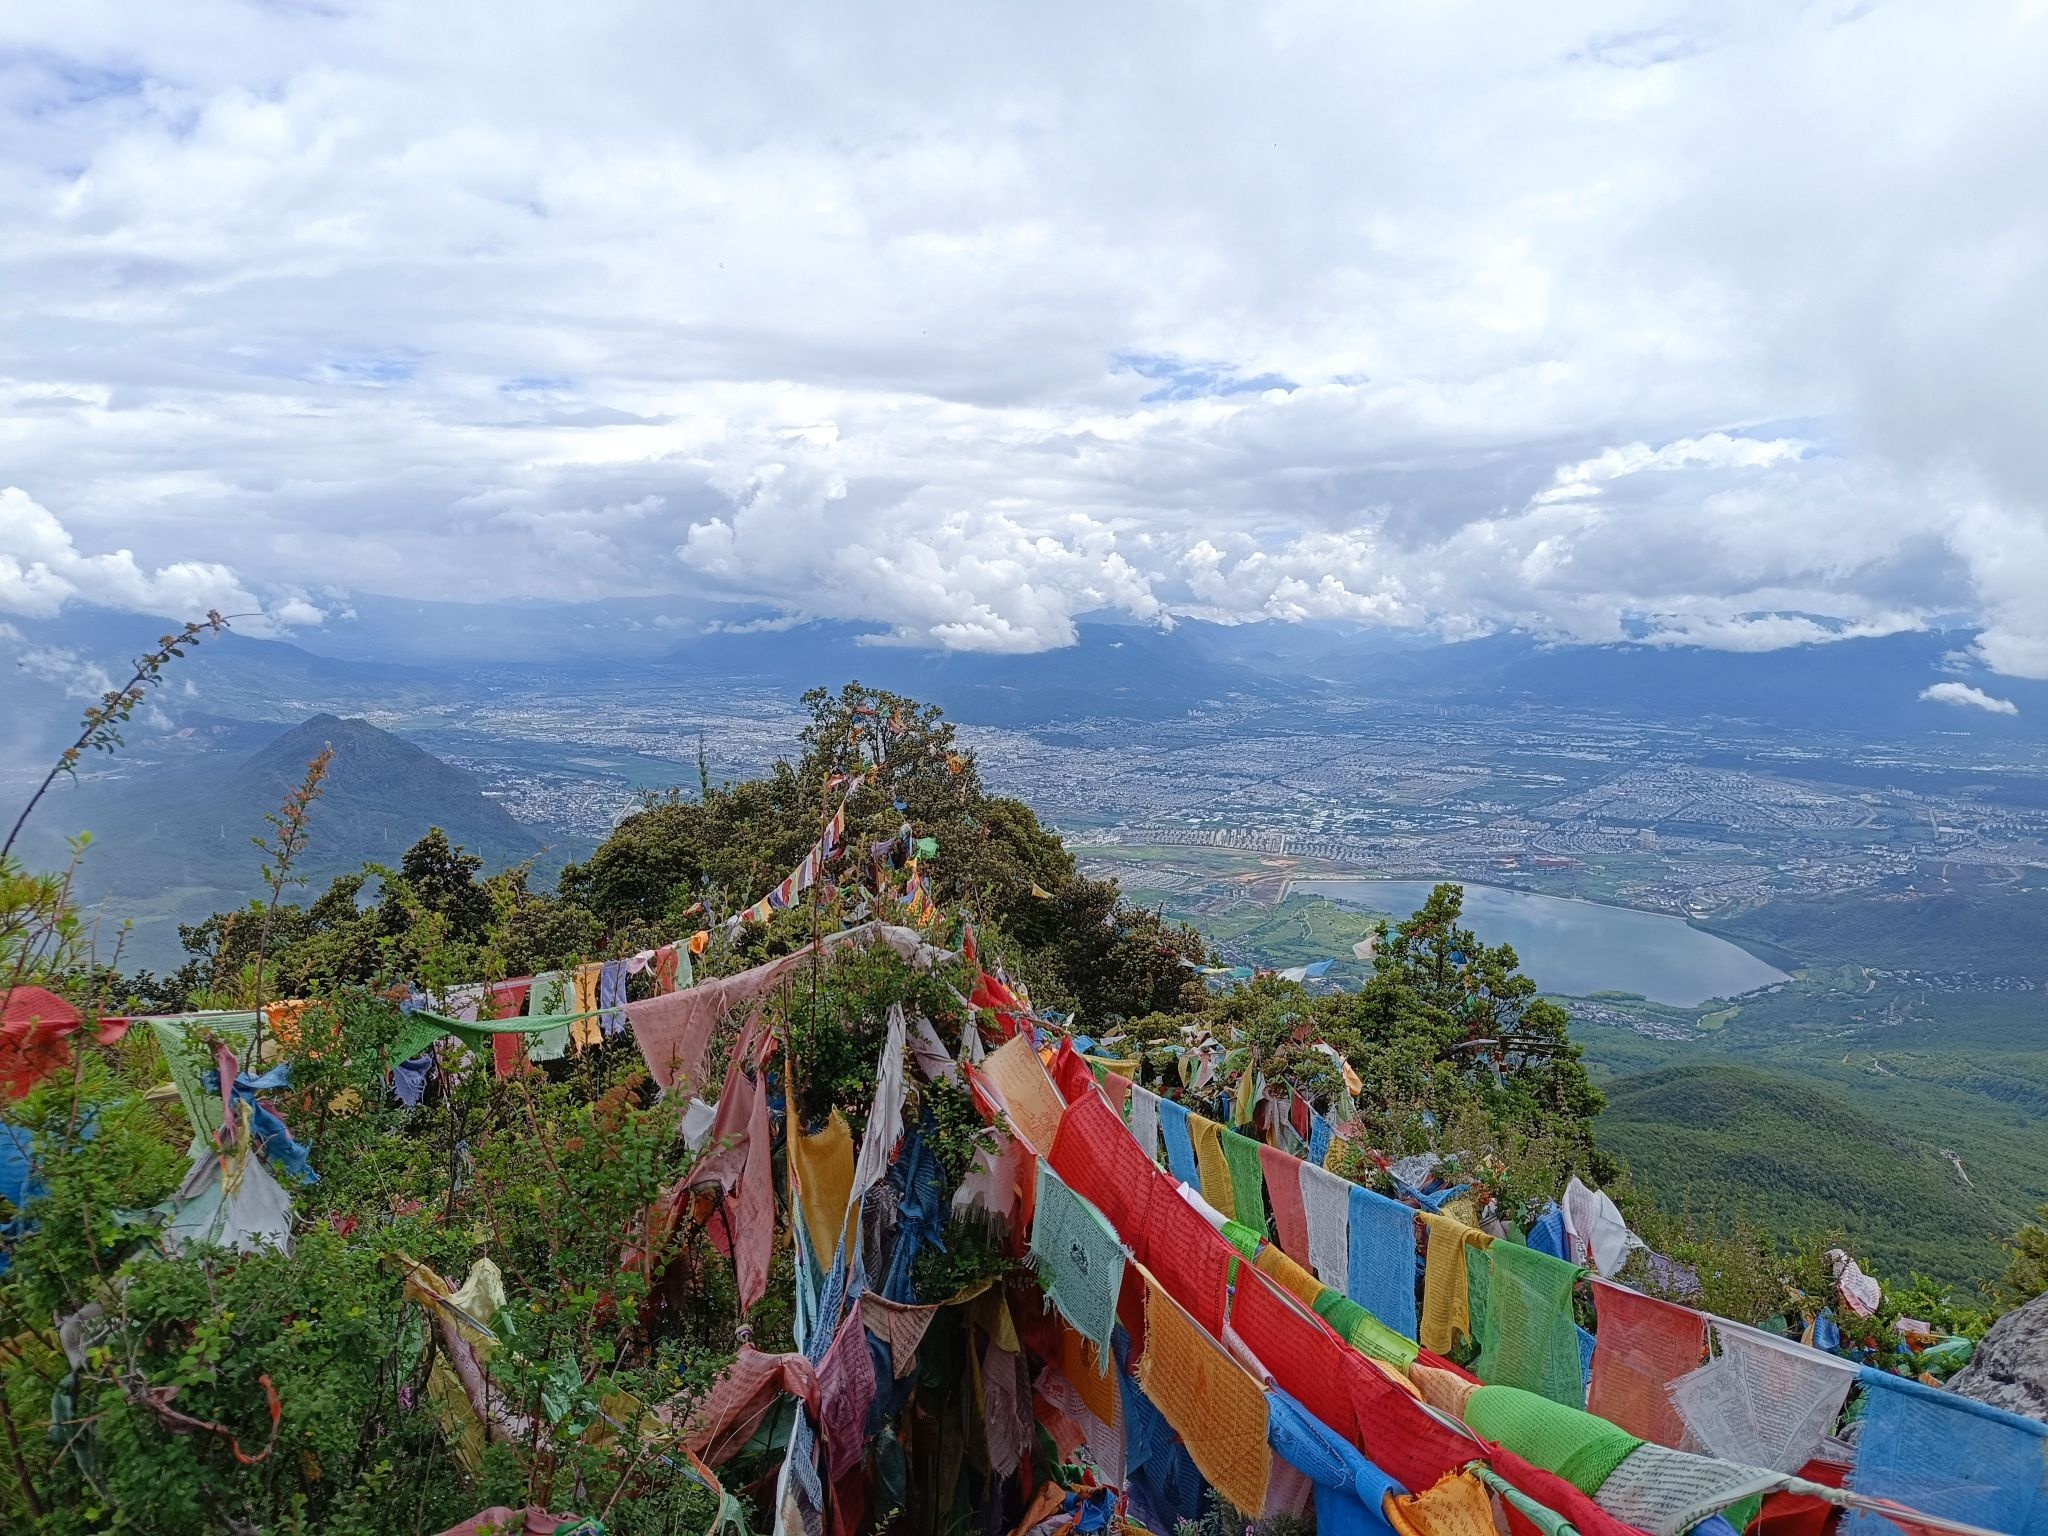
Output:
(1576, 946)
(1697, 924)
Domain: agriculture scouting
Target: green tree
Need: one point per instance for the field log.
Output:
(439, 877)
(1072, 940)
(2026, 1270)
(1440, 998)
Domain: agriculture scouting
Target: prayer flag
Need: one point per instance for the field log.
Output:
(1143, 1113)
(1247, 1185)
(1214, 1404)
(1326, 1206)
(1521, 1306)
(823, 1165)
(1446, 1315)
(1946, 1454)
(846, 1386)
(1764, 1401)
(1290, 1218)
(1380, 1275)
(1641, 1347)
(1025, 1093)
(1176, 1130)
(1216, 1185)
(1079, 1260)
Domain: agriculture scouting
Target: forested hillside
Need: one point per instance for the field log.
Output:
(174, 843)
(1714, 1138)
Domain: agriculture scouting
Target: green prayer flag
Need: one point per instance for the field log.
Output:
(1079, 1259)
(1247, 1180)
(1520, 1302)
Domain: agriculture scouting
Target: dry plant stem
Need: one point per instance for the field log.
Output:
(533, 1443)
(541, 1140)
(21, 1472)
(419, 1514)
(625, 1478)
(101, 726)
(46, 929)
(456, 1123)
(288, 823)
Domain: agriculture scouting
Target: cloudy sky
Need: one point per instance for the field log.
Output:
(1717, 323)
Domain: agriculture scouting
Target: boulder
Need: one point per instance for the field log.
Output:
(2010, 1368)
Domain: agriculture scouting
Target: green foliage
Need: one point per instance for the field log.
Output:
(1948, 929)
(162, 1385)
(838, 1016)
(104, 1156)
(1712, 1136)
(1221, 1519)
(1944, 1072)
(1078, 941)
(555, 1180)
(320, 1324)
(2026, 1270)
(973, 1251)
(1435, 984)
(1736, 1268)
(1454, 1048)
(42, 936)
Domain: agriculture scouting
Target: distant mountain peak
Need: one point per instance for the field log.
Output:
(174, 841)
(355, 742)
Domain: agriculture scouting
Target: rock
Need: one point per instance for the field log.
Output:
(2010, 1368)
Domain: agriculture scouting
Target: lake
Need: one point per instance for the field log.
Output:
(1580, 947)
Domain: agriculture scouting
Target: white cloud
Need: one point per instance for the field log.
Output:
(1772, 631)
(1964, 695)
(1716, 450)
(1614, 318)
(291, 608)
(79, 676)
(42, 569)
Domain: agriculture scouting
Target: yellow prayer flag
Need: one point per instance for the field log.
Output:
(1210, 1163)
(1446, 1301)
(1211, 1400)
(823, 1165)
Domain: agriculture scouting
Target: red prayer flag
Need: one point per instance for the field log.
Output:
(1283, 1192)
(1095, 1155)
(34, 1038)
(1643, 1345)
(1071, 1073)
(1187, 1255)
(1297, 1347)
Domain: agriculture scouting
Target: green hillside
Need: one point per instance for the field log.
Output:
(1299, 930)
(1951, 927)
(1712, 1136)
(172, 843)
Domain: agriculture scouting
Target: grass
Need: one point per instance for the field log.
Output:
(1300, 930)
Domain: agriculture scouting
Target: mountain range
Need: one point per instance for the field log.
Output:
(1766, 1109)
(1867, 687)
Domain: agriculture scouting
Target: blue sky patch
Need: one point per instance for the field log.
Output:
(1179, 379)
